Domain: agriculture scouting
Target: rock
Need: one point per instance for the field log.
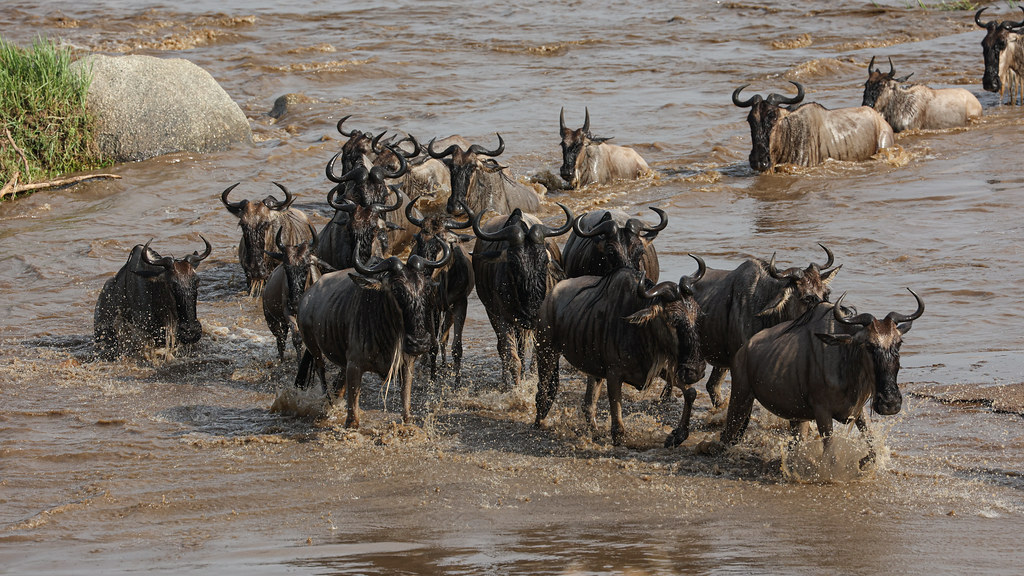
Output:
(146, 106)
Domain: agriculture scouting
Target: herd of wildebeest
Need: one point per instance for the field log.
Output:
(597, 300)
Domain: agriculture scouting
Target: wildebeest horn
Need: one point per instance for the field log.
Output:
(403, 164)
(383, 208)
(606, 226)
(858, 320)
(415, 147)
(478, 149)
(195, 258)
(668, 291)
(898, 318)
(151, 257)
(392, 264)
(439, 155)
(342, 132)
(1008, 25)
(977, 17)
(793, 273)
(561, 121)
(277, 239)
(408, 212)
(275, 204)
(346, 205)
(586, 121)
(312, 237)
(871, 66)
(234, 207)
(548, 232)
(417, 262)
(778, 99)
(652, 231)
(686, 282)
(329, 171)
(743, 103)
(892, 69)
(513, 234)
(831, 259)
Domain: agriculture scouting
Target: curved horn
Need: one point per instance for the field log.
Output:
(346, 205)
(163, 262)
(831, 259)
(382, 266)
(788, 274)
(561, 121)
(439, 155)
(858, 320)
(330, 169)
(742, 103)
(403, 164)
(665, 290)
(342, 132)
(871, 66)
(383, 208)
(780, 99)
(661, 225)
(195, 258)
(446, 256)
(686, 282)
(606, 227)
(313, 238)
(478, 149)
(892, 69)
(288, 199)
(408, 212)
(505, 234)
(548, 232)
(277, 239)
(1010, 25)
(586, 121)
(415, 147)
(898, 318)
(232, 206)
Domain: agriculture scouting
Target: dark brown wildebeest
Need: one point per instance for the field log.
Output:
(604, 240)
(455, 281)
(739, 303)
(821, 367)
(483, 184)
(149, 303)
(516, 263)
(260, 222)
(589, 160)
(299, 268)
(917, 107)
(810, 134)
(1003, 51)
(353, 224)
(623, 329)
(378, 322)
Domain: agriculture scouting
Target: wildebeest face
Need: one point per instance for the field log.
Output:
(992, 47)
(572, 144)
(465, 168)
(684, 314)
(881, 341)
(761, 118)
(873, 87)
(255, 220)
(370, 233)
(181, 281)
(416, 295)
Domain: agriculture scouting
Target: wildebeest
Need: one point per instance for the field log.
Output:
(917, 107)
(1003, 51)
(353, 224)
(587, 159)
(622, 328)
(425, 176)
(481, 183)
(516, 264)
(604, 240)
(455, 281)
(260, 222)
(808, 135)
(739, 303)
(149, 303)
(821, 367)
(299, 268)
(378, 322)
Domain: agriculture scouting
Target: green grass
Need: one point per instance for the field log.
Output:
(42, 107)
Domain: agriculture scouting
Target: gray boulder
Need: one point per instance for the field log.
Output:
(146, 106)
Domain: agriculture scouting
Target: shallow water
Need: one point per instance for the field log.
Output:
(181, 466)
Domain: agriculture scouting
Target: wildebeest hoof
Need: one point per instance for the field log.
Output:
(676, 438)
(867, 460)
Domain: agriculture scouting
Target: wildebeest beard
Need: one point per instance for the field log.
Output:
(528, 262)
(887, 400)
(415, 297)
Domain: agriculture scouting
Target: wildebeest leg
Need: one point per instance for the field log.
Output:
(302, 376)
(459, 316)
(296, 339)
(797, 430)
(862, 425)
(824, 422)
(280, 331)
(714, 385)
(682, 432)
(547, 379)
(741, 402)
(615, 408)
(353, 385)
(511, 365)
(590, 401)
(407, 367)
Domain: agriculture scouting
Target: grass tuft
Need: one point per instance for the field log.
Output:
(45, 129)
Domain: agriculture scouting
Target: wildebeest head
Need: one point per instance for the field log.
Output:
(256, 220)
(356, 150)
(386, 155)
(434, 231)
(803, 289)
(877, 82)
(368, 224)
(298, 261)
(179, 275)
(992, 47)
(573, 142)
(465, 167)
(527, 254)
(881, 339)
(413, 291)
(622, 246)
(675, 303)
(764, 114)
(368, 185)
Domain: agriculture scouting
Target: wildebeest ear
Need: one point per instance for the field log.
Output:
(491, 165)
(645, 315)
(835, 339)
(366, 283)
(393, 226)
(905, 327)
(601, 140)
(777, 304)
(903, 79)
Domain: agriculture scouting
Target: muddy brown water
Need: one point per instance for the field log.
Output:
(181, 467)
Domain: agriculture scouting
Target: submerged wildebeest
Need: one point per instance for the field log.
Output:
(149, 303)
(299, 268)
(587, 159)
(1003, 51)
(623, 329)
(353, 224)
(736, 304)
(604, 240)
(516, 263)
(821, 367)
(808, 135)
(455, 281)
(917, 107)
(482, 183)
(377, 321)
(260, 222)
